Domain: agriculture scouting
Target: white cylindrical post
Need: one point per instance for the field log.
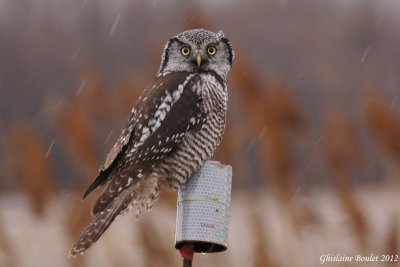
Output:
(203, 209)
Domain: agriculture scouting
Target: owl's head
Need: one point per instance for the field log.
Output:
(198, 50)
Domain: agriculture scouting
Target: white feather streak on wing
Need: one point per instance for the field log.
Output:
(134, 118)
(160, 113)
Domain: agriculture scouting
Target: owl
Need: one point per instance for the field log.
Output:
(176, 125)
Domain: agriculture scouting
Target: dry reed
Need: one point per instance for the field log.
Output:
(392, 242)
(75, 128)
(261, 250)
(156, 253)
(5, 247)
(384, 123)
(33, 168)
(343, 154)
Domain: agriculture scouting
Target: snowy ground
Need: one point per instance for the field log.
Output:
(262, 233)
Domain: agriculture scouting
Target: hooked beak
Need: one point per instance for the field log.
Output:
(198, 60)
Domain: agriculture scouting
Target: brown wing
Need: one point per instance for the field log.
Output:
(161, 116)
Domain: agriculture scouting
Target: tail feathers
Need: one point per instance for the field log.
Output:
(99, 181)
(101, 222)
(141, 196)
(118, 184)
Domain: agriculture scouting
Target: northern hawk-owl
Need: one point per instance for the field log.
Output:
(174, 127)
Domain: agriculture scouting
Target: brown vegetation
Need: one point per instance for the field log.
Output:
(31, 165)
(272, 123)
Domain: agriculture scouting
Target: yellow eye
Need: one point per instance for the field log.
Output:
(185, 51)
(211, 50)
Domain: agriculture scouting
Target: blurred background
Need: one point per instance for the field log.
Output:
(313, 130)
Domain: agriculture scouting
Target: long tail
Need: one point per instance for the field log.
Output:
(101, 222)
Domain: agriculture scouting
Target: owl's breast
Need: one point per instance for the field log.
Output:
(200, 143)
(211, 89)
(214, 104)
